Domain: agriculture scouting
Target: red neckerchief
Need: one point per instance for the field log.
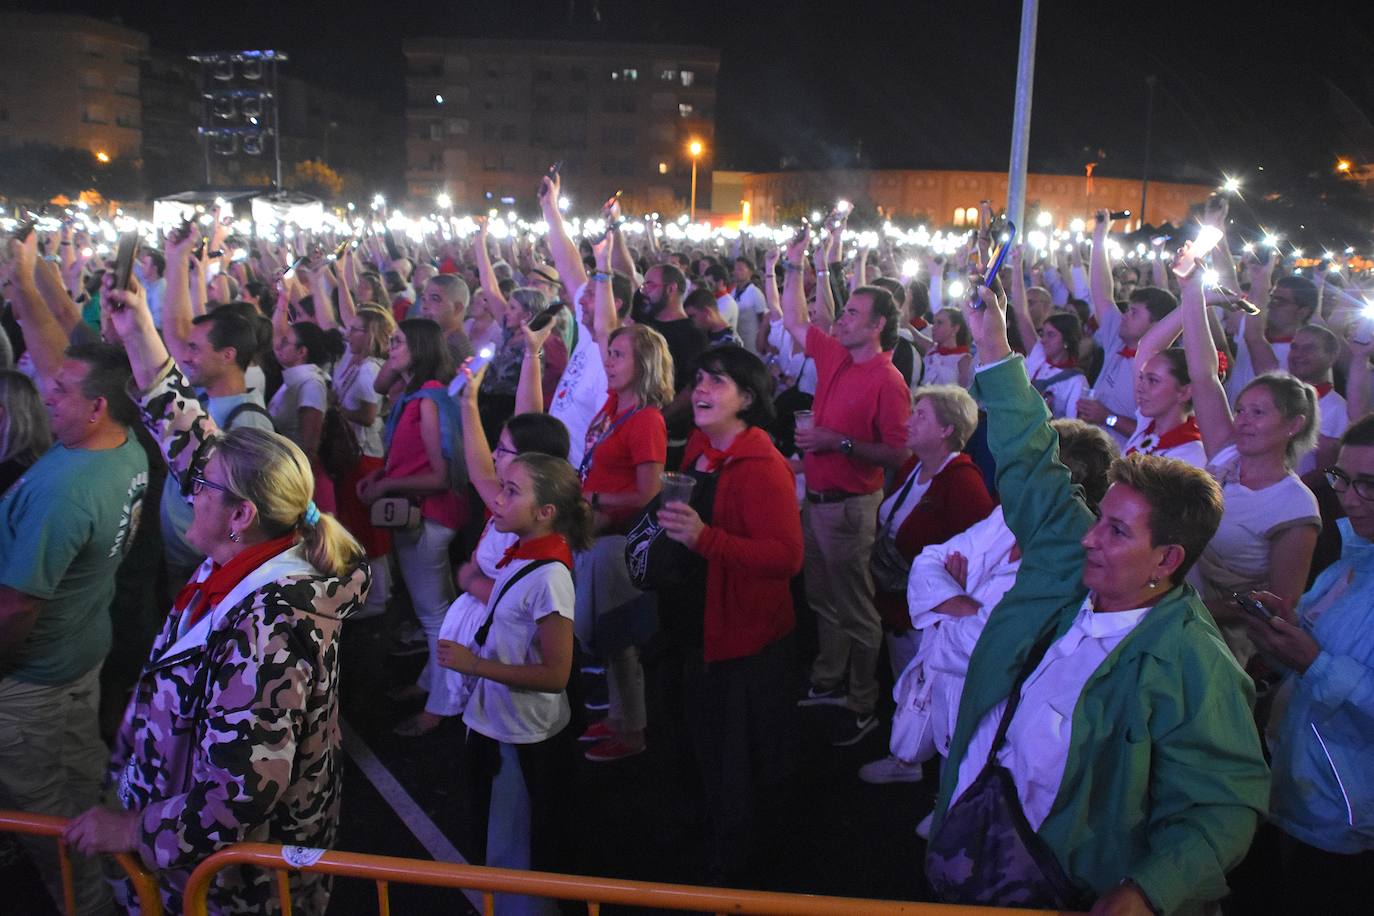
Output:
(222, 579)
(547, 547)
(1323, 389)
(951, 351)
(1288, 339)
(1186, 431)
(1128, 352)
(919, 323)
(715, 457)
(1067, 362)
(1223, 362)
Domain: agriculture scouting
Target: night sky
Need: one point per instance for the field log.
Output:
(900, 84)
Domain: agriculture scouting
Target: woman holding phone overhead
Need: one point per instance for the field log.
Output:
(626, 447)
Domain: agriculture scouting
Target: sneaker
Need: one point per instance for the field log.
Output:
(923, 828)
(853, 733)
(597, 731)
(890, 769)
(610, 750)
(833, 696)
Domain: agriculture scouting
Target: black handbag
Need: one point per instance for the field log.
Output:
(985, 852)
(656, 561)
(891, 570)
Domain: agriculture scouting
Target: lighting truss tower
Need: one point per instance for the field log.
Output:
(239, 110)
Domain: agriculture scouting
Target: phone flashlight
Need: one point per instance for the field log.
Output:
(475, 365)
(1120, 214)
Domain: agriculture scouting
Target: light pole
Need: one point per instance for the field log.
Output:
(695, 149)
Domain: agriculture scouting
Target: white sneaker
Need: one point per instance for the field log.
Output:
(890, 769)
(923, 828)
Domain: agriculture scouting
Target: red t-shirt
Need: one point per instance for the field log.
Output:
(639, 439)
(866, 402)
(406, 456)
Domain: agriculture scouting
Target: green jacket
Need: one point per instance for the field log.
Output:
(1165, 782)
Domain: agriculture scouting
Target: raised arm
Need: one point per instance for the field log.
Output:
(48, 278)
(482, 256)
(42, 333)
(562, 248)
(1100, 279)
(770, 297)
(176, 293)
(1209, 398)
(1020, 302)
(529, 392)
(604, 317)
(794, 316)
(1358, 381)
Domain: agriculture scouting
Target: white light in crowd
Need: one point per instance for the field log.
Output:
(1210, 278)
(220, 201)
(910, 267)
(1349, 250)
(1036, 238)
(815, 216)
(1231, 185)
(438, 99)
(843, 206)
(444, 201)
(86, 252)
(1297, 252)
(1077, 225)
(378, 202)
(1045, 219)
(1068, 249)
(564, 203)
(1271, 240)
(80, 204)
(351, 207)
(1368, 311)
(956, 289)
(1248, 247)
(1207, 238)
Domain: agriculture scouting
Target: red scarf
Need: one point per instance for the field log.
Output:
(1288, 339)
(919, 323)
(1323, 389)
(1223, 362)
(951, 351)
(1186, 431)
(547, 547)
(1128, 352)
(222, 579)
(716, 457)
(1067, 362)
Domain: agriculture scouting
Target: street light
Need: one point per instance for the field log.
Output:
(695, 149)
(102, 156)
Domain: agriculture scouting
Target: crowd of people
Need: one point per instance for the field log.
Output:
(1078, 520)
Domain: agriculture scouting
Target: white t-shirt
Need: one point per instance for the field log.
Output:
(792, 358)
(1115, 385)
(353, 383)
(1146, 441)
(729, 309)
(943, 368)
(1036, 749)
(301, 386)
(507, 714)
(1243, 371)
(913, 497)
(1237, 557)
(1062, 397)
(752, 306)
(580, 393)
(1332, 420)
(490, 337)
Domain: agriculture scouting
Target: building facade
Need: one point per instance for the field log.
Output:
(71, 81)
(485, 119)
(949, 197)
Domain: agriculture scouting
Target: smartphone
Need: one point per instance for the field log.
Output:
(182, 232)
(1207, 239)
(392, 251)
(997, 263)
(124, 260)
(552, 173)
(540, 321)
(25, 229)
(474, 365)
(1252, 606)
(291, 270)
(1119, 214)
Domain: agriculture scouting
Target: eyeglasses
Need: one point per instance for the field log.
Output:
(199, 483)
(502, 450)
(1340, 481)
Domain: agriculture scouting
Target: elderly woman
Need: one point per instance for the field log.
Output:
(246, 661)
(24, 434)
(939, 493)
(1105, 754)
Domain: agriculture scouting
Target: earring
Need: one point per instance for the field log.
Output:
(234, 536)
(1154, 582)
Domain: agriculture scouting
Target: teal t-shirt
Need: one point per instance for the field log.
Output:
(64, 528)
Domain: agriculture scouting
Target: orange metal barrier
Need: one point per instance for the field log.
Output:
(145, 885)
(387, 870)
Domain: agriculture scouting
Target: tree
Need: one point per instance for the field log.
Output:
(38, 172)
(314, 176)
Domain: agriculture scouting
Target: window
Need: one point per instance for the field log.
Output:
(971, 216)
(687, 77)
(93, 114)
(684, 109)
(126, 120)
(457, 126)
(958, 216)
(663, 168)
(668, 76)
(625, 74)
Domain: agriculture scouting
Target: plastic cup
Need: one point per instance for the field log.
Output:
(677, 488)
(805, 420)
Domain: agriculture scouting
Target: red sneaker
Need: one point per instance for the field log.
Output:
(597, 731)
(612, 749)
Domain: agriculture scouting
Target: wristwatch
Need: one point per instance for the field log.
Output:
(1112, 420)
(847, 446)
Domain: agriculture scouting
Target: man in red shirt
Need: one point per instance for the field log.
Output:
(860, 415)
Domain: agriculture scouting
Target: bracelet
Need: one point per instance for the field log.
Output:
(789, 266)
(538, 354)
(600, 276)
(821, 271)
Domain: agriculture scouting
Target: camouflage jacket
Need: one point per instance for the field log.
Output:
(232, 733)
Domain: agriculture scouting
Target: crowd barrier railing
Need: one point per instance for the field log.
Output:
(387, 870)
(145, 885)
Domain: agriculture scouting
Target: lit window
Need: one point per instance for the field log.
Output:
(958, 216)
(971, 216)
(668, 76)
(628, 74)
(663, 168)
(687, 77)
(684, 109)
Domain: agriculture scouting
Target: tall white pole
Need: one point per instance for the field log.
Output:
(1020, 125)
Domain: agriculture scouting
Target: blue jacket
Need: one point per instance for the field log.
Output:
(1165, 781)
(1323, 739)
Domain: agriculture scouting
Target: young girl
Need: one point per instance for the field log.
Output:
(520, 756)
(1053, 364)
(950, 362)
